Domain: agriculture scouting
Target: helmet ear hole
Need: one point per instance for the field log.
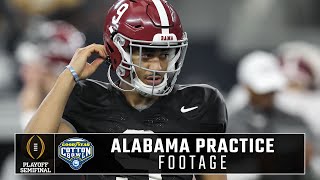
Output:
(121, 41)
(121, 71)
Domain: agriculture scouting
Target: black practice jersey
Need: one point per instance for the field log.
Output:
(97, 107)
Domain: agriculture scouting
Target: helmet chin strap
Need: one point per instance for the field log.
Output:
(148, 90)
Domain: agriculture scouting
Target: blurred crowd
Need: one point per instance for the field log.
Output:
(274, 90)
(278, 92)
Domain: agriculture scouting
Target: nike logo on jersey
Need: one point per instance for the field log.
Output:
(183, 110)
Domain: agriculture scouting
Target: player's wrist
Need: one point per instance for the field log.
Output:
(73, 73)
(67, 77)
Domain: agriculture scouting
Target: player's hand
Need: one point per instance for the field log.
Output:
(80, 58)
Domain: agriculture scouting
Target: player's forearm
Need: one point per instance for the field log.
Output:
(48, 116)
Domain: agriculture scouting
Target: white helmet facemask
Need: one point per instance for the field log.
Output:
(173, 50)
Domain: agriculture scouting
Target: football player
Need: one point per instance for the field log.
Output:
(145, 45)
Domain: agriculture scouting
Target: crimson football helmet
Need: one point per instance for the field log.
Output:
(141, 25)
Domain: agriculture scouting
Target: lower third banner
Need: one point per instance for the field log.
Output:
(140, 154)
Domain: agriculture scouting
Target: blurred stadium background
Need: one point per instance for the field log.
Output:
(220, 32)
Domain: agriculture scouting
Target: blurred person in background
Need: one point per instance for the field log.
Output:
(20, 13)
(260, 75)
(48, 48)
(300, 62)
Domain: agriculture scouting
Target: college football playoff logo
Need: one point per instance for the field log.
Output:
(75, 152)
(35, 147)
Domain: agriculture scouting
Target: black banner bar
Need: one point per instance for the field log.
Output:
(111, 154)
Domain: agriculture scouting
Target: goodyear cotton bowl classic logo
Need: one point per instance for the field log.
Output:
(75, 152)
